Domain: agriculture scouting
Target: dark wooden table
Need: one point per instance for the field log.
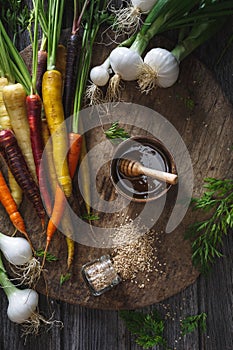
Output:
(90, 329)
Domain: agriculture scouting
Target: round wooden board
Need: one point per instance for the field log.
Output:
(197, 108)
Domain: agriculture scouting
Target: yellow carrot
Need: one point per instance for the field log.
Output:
(85, 178)
(61, 60)
(5, 123)
(52, 98)
(48, 154)
(14, 97)
(15, 189)
(4, 117)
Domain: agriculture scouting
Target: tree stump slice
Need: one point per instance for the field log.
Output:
(202, 115)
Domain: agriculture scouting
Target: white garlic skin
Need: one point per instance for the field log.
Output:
(22, 304)
(16, 250)
(99, 75)
(165, 65)
(144, 5)
(126, 63)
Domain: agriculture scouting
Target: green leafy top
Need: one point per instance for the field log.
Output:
(64, 278)
(49, 257)
(91, 217)
(116, 132)
(208, 234)
(15, 15)
(191, 323)
(148, 328)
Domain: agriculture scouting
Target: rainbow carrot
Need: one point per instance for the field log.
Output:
(14, 97)
(61, 60)
(13, 156)
(5, 123)
(33, 104)
(15, 189)
(52, 98)
(11, 208)
(41, 69)
(59, 204)
(75, 145)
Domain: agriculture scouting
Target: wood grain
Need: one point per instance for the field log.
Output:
(201, 114)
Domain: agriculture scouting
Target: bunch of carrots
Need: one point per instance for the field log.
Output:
(40, 152)
(41, 155)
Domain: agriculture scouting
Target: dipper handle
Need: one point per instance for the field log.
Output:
(134, 168)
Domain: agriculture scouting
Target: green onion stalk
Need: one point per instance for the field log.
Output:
(16, 66)
(94, 16)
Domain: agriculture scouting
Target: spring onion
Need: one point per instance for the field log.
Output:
(127, 19)
(22, 302)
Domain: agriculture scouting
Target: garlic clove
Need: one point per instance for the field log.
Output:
(22, 304)
(16, 250)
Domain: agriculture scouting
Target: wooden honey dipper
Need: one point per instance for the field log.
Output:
(133, 168)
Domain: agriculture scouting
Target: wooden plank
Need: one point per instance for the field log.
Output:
(221, 336)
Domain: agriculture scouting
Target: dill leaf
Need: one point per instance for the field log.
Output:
(208, 235)
(64, 278)
(148, 328)
(49, 257)
(191, 323)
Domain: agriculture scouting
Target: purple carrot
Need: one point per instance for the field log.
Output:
(12, 154)
(70, 77)
(41, 68)
(73, 45)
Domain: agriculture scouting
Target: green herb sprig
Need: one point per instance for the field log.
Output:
(91, 217)
(148, 328)
(116, 132)
(64, 278)
(218, 201)
(191, 323)
(49, 257)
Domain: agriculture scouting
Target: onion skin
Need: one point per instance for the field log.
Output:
(16, 250)
(22, 304)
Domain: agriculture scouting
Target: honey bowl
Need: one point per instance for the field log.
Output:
(151, 153)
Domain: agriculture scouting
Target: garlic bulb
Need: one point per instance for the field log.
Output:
(126, 63)
(99, 75)
(22, 304)
(144, 5)
(16, 250)
(164, 66)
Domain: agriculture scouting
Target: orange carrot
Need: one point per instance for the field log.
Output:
(75, 141)
(11, 207)
(75, 144)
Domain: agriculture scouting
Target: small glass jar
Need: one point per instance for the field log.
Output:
(100, 275)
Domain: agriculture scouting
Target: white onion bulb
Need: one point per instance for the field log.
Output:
(165, 66)
(22, 304)
(16, 250)
(126, 63)
(144, 5)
